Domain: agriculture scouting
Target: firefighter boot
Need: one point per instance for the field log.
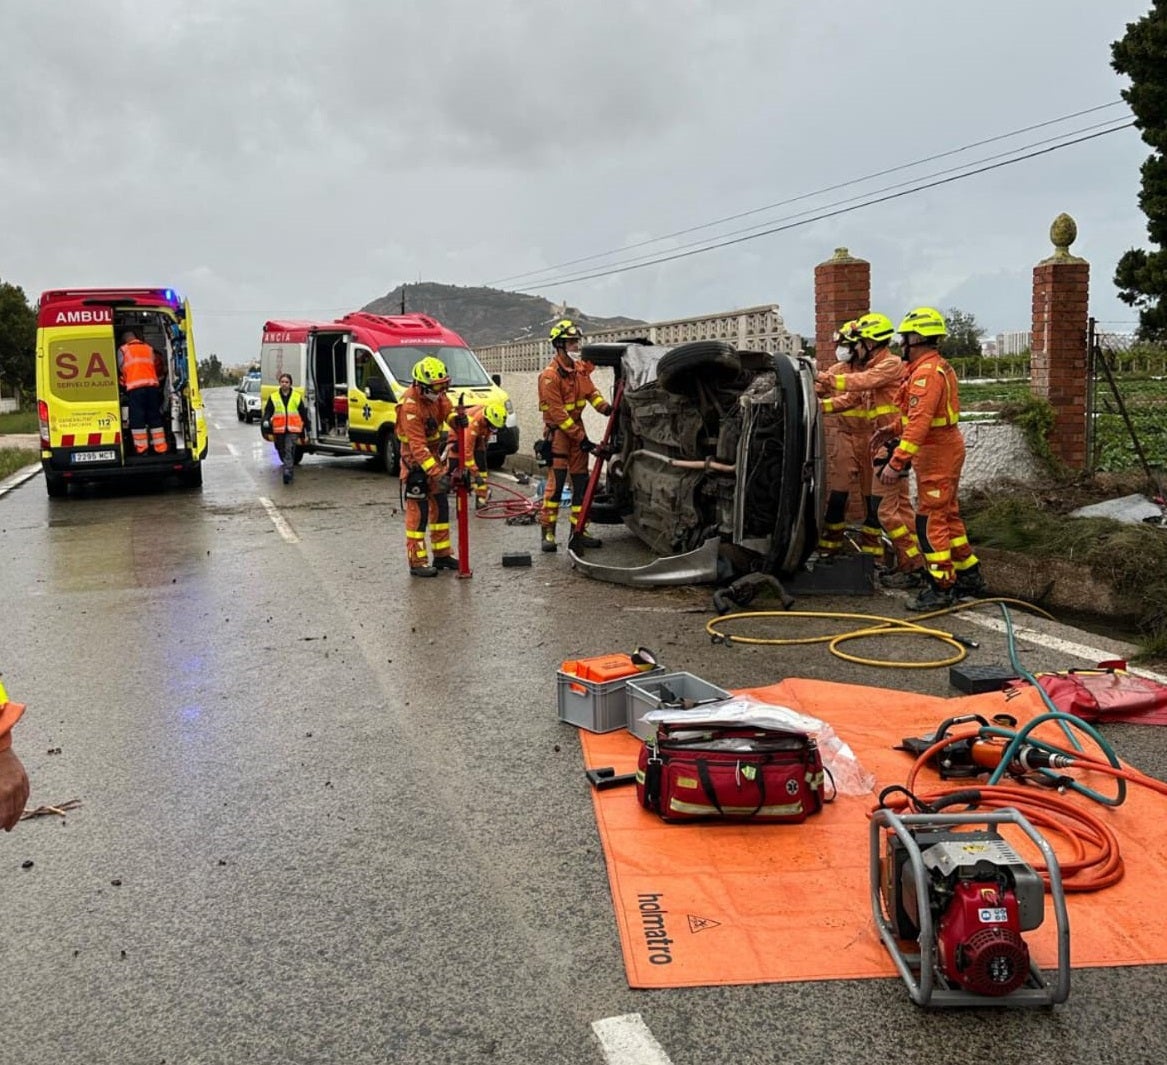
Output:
(970, 583)
(446, 562)
(586, 541)
(933, 597)
(547, 539)
(422, 571)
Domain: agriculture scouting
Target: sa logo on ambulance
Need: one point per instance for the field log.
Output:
(82, 408)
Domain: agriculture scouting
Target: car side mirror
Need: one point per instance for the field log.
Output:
(496, 378)
(379, 390)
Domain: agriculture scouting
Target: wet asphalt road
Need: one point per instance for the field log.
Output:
(329, 814)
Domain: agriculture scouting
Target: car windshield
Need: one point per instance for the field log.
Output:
(250, 385)
(463, 367)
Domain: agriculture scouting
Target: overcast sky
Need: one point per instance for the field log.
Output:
(300, 159)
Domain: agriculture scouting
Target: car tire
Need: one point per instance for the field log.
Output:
(193, 478)
(713, 361)
(495, 460)
(387, 454)
(56, 485)
(239, 414)
(605, 513)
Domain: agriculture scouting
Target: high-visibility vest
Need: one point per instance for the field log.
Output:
(286, 418)
(138, 365)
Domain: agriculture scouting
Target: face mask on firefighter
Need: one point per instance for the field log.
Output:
(844, 353)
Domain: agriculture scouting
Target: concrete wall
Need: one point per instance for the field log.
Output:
(994, 450)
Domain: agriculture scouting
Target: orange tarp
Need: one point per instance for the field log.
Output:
(706, 904)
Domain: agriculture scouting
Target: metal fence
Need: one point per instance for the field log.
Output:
(1126, 427)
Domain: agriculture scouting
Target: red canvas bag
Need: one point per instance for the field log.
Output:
(693, 771)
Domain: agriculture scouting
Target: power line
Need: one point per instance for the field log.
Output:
(827, 214)
(851, 199)
(808, 195)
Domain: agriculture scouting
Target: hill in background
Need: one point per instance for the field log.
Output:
(484, 316)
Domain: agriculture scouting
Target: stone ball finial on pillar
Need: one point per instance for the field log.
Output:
(1063, 231)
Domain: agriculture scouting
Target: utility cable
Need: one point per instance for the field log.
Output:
(823, 215)
(852, 199)
(810, 195)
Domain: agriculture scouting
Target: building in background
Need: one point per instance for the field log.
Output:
(751, 329)
(1016, 342)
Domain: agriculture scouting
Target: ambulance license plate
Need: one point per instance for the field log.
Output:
(95, 456)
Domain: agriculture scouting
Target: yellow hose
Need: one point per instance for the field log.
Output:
(886, 627)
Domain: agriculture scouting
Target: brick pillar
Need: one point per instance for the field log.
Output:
(842, 291)
(1058, 357)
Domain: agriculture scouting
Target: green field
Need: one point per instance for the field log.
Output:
(1145, 399)
(22, 421)
(12, 459)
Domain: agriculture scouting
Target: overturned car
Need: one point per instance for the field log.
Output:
(715, 461)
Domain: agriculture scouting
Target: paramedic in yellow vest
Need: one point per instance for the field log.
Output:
(422, 414)
(138, 376)
(563, 393)
(481, 421)
(283, 417)
(13, 779)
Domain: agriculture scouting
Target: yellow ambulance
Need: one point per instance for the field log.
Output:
(83, 413)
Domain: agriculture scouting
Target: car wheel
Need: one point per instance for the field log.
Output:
(387, 453)
(239, 414)
(495, 460)
(193, 478)
(605, 513)
(56, 485)
(712, 362)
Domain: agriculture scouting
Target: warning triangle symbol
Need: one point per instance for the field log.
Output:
(700, 924)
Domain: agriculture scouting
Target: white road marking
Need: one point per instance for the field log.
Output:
(234, 453)
(1056, 643)
(282, 527)
(215, 425)
(626, 1040)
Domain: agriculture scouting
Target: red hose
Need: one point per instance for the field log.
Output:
(517, 505)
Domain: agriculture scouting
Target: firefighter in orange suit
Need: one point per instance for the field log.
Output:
(880, 373)
(422, 413)
(284, 417)
(563, 392)
(138, 376)
(481, 422)
(932, 445)
(847, 435)
(13, 779)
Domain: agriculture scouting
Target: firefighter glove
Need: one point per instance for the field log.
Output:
(461, 421)
(265, 425)
(586, 446)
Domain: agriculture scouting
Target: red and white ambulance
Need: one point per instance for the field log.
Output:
(353, 370)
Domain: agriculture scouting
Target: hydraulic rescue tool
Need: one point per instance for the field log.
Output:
(963, 896)
(602, 452)
(462, 488)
